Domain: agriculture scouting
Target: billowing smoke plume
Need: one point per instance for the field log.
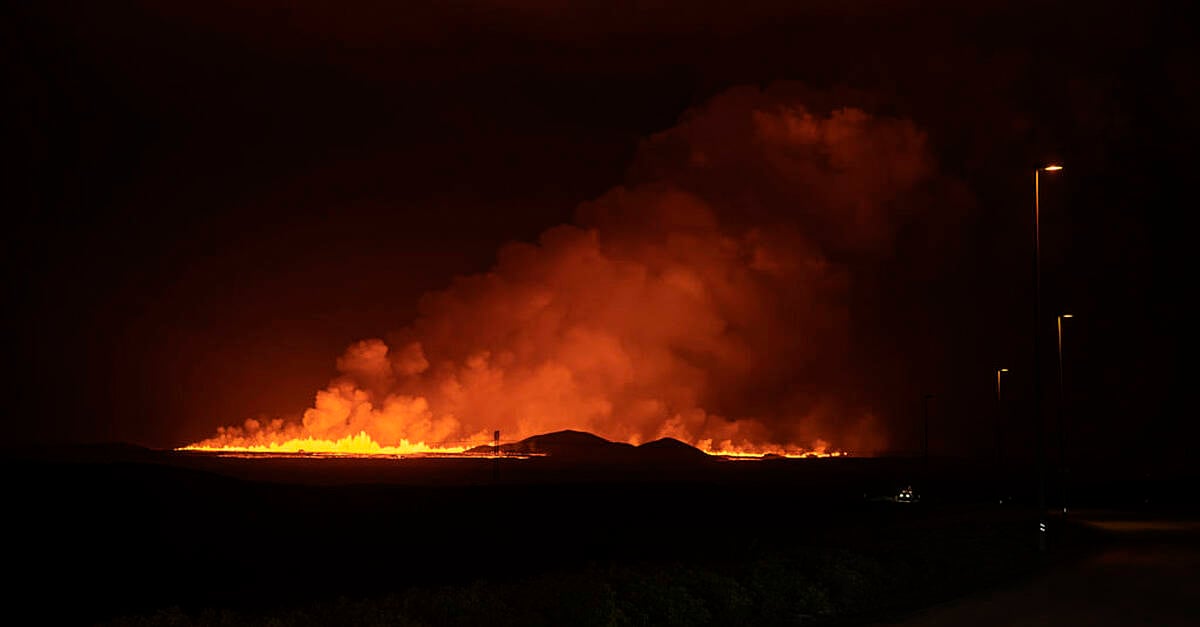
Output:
(708, 299)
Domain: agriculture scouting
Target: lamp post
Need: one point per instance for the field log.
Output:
(1062, 418)
(1039, 428)
(1000, 434)
(999, 416)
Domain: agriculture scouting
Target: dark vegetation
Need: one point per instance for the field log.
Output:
(138, 537)
(768, 584)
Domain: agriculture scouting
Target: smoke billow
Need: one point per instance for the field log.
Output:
(708, 299)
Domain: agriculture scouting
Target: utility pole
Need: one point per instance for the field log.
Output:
(496, 456)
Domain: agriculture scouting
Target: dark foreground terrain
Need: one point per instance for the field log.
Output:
(129, 536)
(1141, 570)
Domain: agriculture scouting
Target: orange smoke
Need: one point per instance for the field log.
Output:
(705, 301)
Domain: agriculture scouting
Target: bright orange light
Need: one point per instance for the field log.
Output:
(729, 450)
(1052, 168)
(353, 445)
(1004, 370)
(362, 445)
(1068, 316)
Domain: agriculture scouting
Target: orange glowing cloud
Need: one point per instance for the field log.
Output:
(706, 300)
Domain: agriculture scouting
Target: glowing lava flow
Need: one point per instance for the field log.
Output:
(363, 445)
(727, 449)
(353, 445)
(788, 454)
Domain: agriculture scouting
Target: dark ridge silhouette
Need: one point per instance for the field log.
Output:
(567, 443)
(580, 445)
(670, 449)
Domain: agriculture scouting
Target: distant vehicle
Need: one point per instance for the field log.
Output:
(904, 495)
(907, 495)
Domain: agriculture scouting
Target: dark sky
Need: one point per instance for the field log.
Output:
(213, 199)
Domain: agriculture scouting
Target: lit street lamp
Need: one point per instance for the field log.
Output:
(1062, 419)
(1000, 430)
(1039, 428)
(999, 417)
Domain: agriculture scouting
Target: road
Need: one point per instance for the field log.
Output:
(1145, 571)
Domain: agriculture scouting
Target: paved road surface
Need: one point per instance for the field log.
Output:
(1147, 573)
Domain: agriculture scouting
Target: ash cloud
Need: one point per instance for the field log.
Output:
(715, 297)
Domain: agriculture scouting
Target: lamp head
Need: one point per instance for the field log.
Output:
(1051, 168)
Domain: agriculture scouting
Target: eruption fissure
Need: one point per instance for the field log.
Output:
(707, 300)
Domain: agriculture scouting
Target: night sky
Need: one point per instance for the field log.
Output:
(212, 200)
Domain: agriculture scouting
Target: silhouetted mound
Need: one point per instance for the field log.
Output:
(568, 443)
(670, 449)
(581, 445)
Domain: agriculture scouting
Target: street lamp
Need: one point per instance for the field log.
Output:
(1000, 424)
(999, 416)
(1039, 429)
(1062, 419)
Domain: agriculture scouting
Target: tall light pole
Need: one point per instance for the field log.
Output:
(999, 416)
(1062, 419)
(1000, 474)
(1039, 428)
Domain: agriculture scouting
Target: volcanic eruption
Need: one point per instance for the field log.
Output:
(707, 299)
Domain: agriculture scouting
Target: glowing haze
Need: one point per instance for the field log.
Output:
(705, 300)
